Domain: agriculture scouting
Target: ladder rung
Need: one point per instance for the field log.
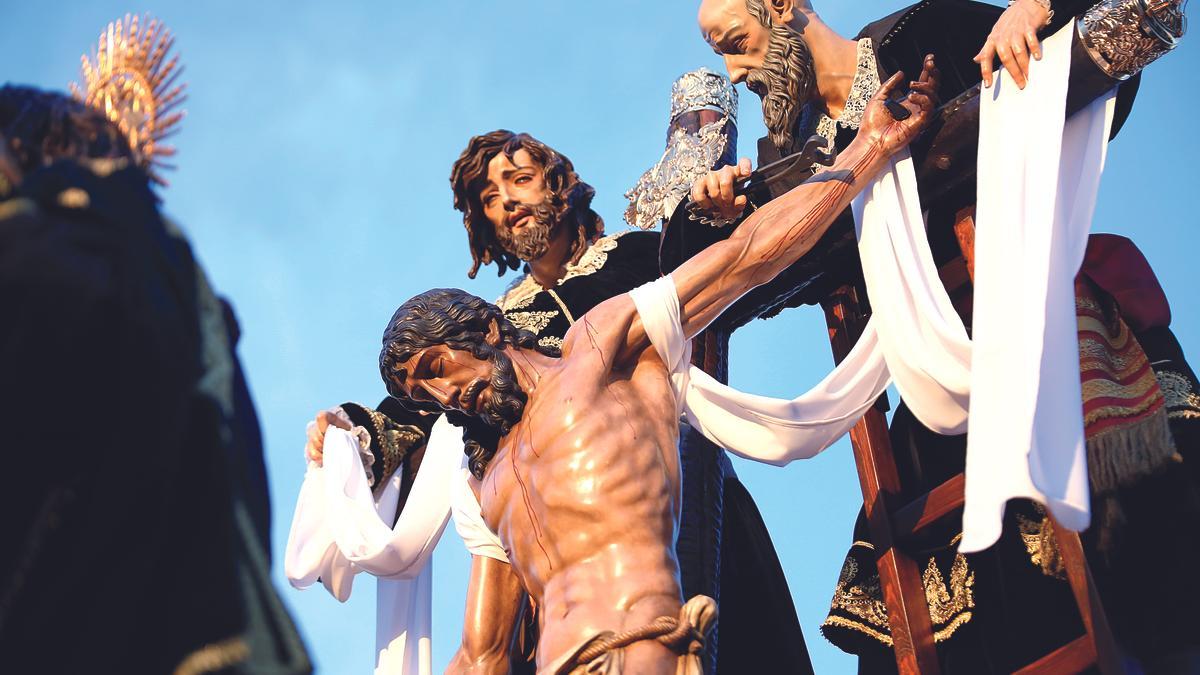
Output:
(1073, 657)
(922, 511)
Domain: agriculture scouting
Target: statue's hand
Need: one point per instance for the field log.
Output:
(889, 134)
(713, 192)
(314, 448)
(1013, 39)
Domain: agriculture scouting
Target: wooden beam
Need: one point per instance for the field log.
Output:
(1074, 657)
(929, 507)
(1091, 610)
(899, 576)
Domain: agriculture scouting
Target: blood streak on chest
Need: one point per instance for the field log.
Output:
(527, 435)
(590, 330)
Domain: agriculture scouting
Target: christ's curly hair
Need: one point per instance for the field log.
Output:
(572, 198)
(459, 320)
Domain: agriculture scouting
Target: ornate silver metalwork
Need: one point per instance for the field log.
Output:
(1125, 36)
(703, 88)
(689, 154)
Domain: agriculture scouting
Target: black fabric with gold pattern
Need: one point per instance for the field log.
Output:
(391, 437)
(1006, 606)
(616, 264)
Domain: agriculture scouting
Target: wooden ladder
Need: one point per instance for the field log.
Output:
(891, 522)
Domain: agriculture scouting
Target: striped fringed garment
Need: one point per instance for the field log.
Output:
(1124, 410)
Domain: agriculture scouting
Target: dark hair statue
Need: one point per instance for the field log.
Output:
(568, 205)
(41, 127)
(787, 79)
(459, 320)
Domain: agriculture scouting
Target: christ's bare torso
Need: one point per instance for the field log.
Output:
(584, 493)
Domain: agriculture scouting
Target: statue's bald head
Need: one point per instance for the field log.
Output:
(712, 12)
(762, 44)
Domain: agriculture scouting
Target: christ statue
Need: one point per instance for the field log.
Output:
(574, 452)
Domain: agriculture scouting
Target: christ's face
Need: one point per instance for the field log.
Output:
(516, 201)
(452, 379)
(735, 35)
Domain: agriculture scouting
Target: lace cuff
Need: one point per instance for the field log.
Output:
(388, 442)
(363, 437)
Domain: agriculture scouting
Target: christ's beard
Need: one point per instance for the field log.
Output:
(503, 405)
(533, 240)
(784, 83)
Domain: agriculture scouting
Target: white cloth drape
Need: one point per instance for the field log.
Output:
(922, 338)
(777, 431)
(468, 520)
(760, 428)
(915, 336)
(1038, 180)
(339, 530)
(1019, 380)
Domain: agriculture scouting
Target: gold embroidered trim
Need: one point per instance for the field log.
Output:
(395, 441)
(946, 603)
(213, 657)
(949, 606)
(1182, 400)
(562, 305)
(522, 292)
(1040, 544)
(944, 633)
(843, 622)
(864, 601)
(551, 341)
(534, 322)
(940, 635)
(594, 258)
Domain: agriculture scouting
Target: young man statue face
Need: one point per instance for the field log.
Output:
(517, 202)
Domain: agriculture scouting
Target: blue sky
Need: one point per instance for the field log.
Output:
(313, 182)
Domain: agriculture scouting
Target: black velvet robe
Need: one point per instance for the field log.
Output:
(136, 516)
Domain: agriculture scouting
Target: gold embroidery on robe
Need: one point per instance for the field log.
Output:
(1182, 401)
(949, 605)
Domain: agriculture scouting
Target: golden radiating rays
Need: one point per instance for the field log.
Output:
(131, 80)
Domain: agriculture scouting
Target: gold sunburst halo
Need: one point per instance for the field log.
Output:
(130, 78)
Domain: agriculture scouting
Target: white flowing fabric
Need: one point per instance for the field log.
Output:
(764, 429)
(777, 431)
(339, 530)
(914, 336)
(923, 340)
(1038, 179)
(468, 520)
(1019, 380)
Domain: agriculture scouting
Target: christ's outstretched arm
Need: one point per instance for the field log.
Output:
(780, 233)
